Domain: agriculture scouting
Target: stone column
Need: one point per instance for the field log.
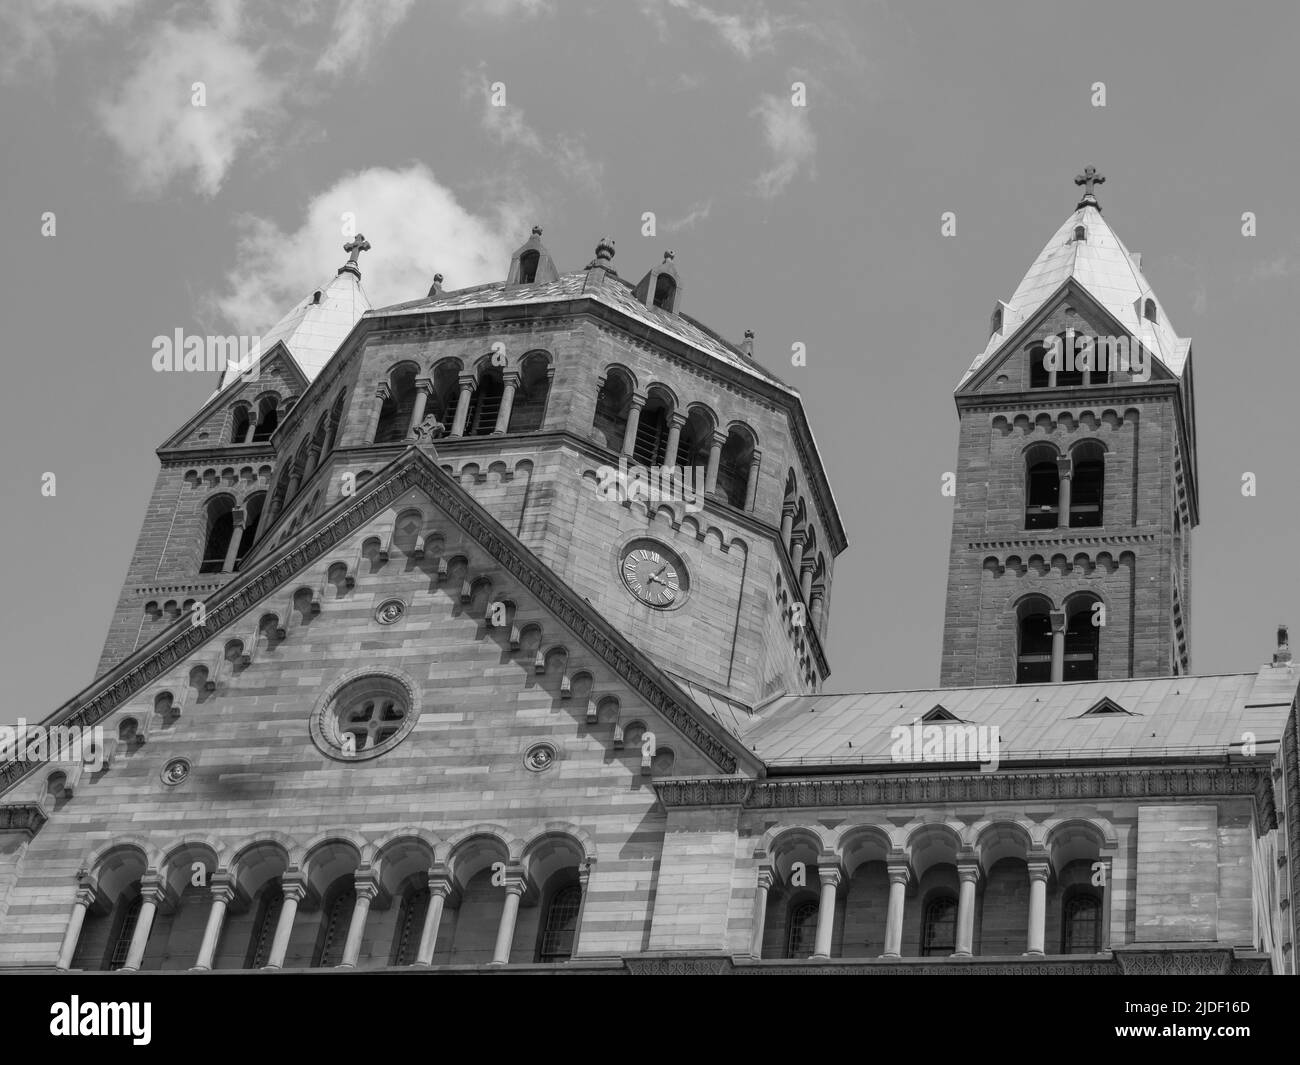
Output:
(1058, 645)
(633, 422)
(829, 878)
(222, 889)
(237, 516)
(84, 899)
(751, 486)
(252, 427)
(382, 392)
(1064, 472)
(899, 874)
(676, 422)
(423, 390)
(816, 607)
(1107, 899)
(510, 385)
(796, 551)
(805, 579)
(1038, 873)
(968, 872)
(439, 891)
(715, 458)
(787, 523)
(366, 889)
(514, 888)
(153, 889)
(468, 383)
(760, 913)
(313, 459)
(294, 892)
(584, 881)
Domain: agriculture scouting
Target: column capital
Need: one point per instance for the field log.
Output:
(829, 871)
(511, 377)
(677, 420)
(223, 887)
(425, 385)
(797, 536)
(788, 506)
(366, 886)
(238, 515)
(86, 895)
(515, 884)
(718, 439)
(1040, 867)
(153, 888)
(968, 869)
(638, 400)
(467, 381)
(293, 887)
(765, 878)
(440, 883)
(382, 391)
(755, 455)
(1057, 618)
(899, 872)
(1064, 465)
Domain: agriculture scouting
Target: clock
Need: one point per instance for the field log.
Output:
(653, 573)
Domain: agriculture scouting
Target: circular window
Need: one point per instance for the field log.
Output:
(364, 714)
(389, 611)
(539, 756)
(175, 771)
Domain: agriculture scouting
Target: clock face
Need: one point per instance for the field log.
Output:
(653, 574)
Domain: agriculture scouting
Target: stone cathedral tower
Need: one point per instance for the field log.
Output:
(1076, 476)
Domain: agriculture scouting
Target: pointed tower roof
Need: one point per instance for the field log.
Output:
(1101, 264)
(313, 330)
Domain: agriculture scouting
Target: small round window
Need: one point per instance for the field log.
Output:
(364, 714)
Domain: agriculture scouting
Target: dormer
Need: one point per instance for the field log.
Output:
(661, 287)
(531, 263)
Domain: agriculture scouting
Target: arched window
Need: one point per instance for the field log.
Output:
(1082, 639)
(269, 904)
(485, 404)
(1039, 375)
(1080, 921)
(561, 924)
(696, 437)
(334, 929)
(410, 925)
(217, 535)
(733, 469)
(528, 267)
(336, 417)
(652, 432)
(1034, 649)
(395, 413)
(124, 922)
(529, 408)
(252, 517)
(446, 393)
(801, 936)
(610, 422)
(239, 423)
(268, 417)
(1087, 486)
(665, 290)
(995, 322)
(1080, 233)
(1149, 310)
(56, 788)
(939, 927)
(1042, 487)
(1069, 375)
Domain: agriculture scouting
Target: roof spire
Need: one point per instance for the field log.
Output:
(355, 247)
(1087, 179)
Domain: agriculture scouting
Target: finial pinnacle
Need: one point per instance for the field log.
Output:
(669, 256)
(537, 231)
(604, 249)
(354, 247)
(1087, 179)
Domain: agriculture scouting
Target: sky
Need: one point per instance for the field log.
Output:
(818, 225)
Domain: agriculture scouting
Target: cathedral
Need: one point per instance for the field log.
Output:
(487, 631)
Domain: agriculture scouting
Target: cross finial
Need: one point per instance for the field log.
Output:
(1087, 179)
(354, 247)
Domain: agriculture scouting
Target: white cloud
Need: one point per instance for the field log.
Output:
(360, 26)
(162, 136)
(789, 136)
(746, 36)
(33, 29)
(417, 228)
(504, 9)
(508, 127)
(698, 213)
